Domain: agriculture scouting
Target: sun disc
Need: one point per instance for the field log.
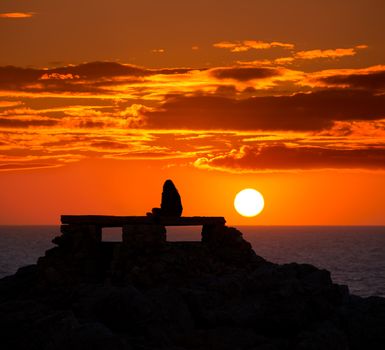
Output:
(249, 202)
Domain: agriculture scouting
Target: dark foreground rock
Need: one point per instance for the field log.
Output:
(214, 294)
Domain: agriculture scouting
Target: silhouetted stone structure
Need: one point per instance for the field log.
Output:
(171, 204)
(81, 254)
(147, 293)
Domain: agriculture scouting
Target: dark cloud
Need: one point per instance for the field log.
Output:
(312, 111)
(11, 77)
(226, 91)
(87, 77)
(59, 102)
(66, 79)
(90, 70)
(371, 81)
(18, 123)
(93, 70)
(280, 157)
(109, 145)
(90, 124)
(244, 73)
(96, 70)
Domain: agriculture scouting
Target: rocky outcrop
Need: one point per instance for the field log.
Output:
(147, 293)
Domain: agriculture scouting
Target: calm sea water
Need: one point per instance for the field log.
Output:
(355, 255)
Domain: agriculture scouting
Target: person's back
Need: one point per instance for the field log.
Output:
(171, 202)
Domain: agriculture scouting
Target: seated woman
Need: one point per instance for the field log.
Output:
(171, 203)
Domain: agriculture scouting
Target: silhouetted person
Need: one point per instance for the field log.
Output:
(171, 203)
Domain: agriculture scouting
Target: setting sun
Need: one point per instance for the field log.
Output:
(249, 202)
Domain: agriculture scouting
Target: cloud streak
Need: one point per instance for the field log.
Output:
(329, 53)
(307, 55)
(246, 45)
(17, 15)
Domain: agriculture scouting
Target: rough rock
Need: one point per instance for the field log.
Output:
(147, 293)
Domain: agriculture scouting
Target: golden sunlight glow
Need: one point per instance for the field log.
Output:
(249, 202)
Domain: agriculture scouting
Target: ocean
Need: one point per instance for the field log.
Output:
(355, 255)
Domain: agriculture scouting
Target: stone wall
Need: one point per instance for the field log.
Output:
(81, 256)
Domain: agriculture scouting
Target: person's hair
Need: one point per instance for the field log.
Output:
(169, 185)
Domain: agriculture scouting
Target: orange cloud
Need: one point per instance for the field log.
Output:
(330, 53)
(7, 104)
(255, 63)
(361, 47)
(58, 76)
(284, 60)
(308, 55)
(17, 14)
(246, 45)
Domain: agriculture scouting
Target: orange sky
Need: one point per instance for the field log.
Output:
(100, 102)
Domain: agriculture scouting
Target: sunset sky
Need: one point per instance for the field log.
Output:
(102, 101)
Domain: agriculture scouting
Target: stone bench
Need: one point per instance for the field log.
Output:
(120, 221)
